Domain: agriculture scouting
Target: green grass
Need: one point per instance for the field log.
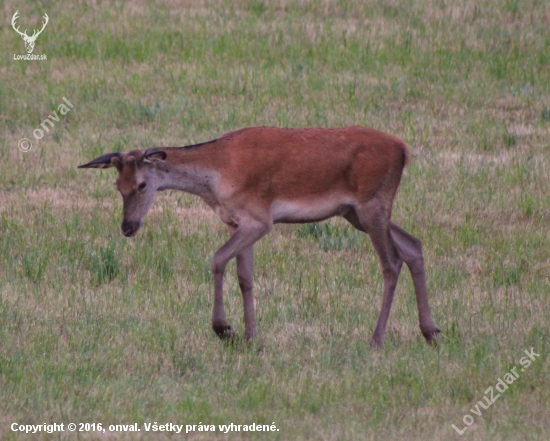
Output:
(97, 328)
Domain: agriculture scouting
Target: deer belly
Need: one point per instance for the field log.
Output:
(302, 211)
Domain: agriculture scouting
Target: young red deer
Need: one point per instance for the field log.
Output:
(256, 177)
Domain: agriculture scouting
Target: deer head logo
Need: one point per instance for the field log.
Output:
(29, 40)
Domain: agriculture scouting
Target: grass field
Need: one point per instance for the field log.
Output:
(97, 328)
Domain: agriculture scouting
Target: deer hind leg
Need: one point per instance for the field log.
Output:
(240, 246)
(410, 250)
(373, 219)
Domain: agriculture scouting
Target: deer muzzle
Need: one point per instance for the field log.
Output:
(129, 228)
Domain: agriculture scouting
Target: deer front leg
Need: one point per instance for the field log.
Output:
(240, 245)
(219, 322)
(245, 272)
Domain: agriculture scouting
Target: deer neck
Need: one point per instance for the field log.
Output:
(189, 172)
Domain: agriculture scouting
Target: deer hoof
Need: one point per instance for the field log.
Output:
(375, 343)
(224, 332)
(432, 336)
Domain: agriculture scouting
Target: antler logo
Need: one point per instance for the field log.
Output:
(28, 39)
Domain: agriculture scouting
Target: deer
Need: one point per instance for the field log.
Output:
(29, 39)
(256, 177)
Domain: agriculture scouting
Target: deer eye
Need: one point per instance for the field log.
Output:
(142, 185)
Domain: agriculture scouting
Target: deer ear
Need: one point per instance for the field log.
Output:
(154, 155)
(104, 161)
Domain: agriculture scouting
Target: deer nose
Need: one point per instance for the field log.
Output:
(129, 228)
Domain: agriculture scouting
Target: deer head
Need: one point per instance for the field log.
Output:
(138, 180)
(29, 40)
